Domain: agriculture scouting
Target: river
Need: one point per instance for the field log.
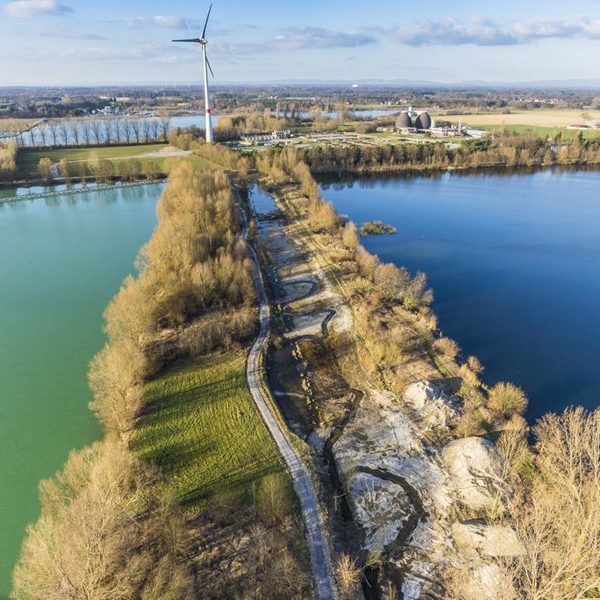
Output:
(514, 261)
(62, 259)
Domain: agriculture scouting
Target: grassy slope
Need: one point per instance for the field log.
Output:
(27, 161)
(541, 131)
(203, 431)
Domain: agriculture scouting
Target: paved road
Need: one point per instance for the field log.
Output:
(319, 550)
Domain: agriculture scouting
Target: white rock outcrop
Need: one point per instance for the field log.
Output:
(381, 507)
(472, 464)
(487, 540)
(486, 581)
(433, 408)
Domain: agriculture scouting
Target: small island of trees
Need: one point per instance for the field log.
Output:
(376, 228)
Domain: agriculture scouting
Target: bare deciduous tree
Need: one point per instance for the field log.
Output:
(45, 168)
(97, 539)
(556, 511)
(87, 131)
(135, 125)
(96, 129)
(165, 124)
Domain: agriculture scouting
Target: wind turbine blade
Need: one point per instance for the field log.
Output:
(206, 22)
(194, 40)
(210, 68)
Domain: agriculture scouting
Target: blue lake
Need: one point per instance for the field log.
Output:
(514, 261)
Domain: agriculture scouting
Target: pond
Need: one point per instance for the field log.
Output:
(356, 114)
(514, 261)
(106, 130)
(61, 260)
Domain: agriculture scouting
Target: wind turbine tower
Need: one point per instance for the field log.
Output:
(203, 41)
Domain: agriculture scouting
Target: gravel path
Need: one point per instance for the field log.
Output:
(317, 544)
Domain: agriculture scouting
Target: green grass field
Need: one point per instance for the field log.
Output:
(202, 430)
(27, 160)
(540, 131)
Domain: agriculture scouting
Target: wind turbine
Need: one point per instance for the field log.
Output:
(203, 41)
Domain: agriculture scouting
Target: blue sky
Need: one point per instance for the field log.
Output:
(128, 41)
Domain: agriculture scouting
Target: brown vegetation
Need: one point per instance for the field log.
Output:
(503, 151)
(506, 399)
(193, 139)
(45, 169)
(376, 228)
(447, 348)
(551, 499)
(242, 556)
(229, 128)
(8, 161)
(194, 264)
(348, 576)
(108, 529)
(550, 493)
(104, 533)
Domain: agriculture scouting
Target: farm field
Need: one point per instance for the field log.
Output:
(202, 430)
(27, 160)
(15, 125)
(519, 120)
(540, 131)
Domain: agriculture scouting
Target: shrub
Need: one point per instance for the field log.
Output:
(556, 515)
(471, 370)
(350, 236)
(506, 399)
(273, 498)
(104, 533)
(367, 263)
(447, 348)
(45, 168)
(391, 281)
(348, 575)
(8, 161)
(470, 422)
(417, 294)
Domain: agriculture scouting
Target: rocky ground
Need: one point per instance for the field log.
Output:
(419, 498)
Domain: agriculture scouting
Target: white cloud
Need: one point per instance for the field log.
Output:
(166, 21)
(21, 9)
(482, 31)
(315, 37)
(72, 34)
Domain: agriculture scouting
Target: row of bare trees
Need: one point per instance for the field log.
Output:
(104, 170)
(194, 264)
(504, 151)
(95, 131)
(107, 528)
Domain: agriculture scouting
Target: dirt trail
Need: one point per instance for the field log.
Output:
(322, 570)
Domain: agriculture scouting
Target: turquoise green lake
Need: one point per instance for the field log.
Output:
(61, 260)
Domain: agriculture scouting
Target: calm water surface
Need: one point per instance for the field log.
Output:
(41, 135)
(61, 260)
(514, 261)
(261, 202)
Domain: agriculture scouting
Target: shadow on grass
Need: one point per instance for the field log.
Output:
(202, 431)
